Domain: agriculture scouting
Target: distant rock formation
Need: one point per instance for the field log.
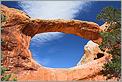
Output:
(91, 50)
(17, 32)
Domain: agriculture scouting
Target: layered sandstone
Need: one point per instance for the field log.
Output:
(17, 32)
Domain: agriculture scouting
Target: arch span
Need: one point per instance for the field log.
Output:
(84, 29)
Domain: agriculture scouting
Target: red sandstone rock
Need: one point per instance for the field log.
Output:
(18, 30)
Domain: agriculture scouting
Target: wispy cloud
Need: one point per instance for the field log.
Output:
(51, 10)
(45, 38)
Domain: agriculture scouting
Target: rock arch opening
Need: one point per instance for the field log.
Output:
(57, 49)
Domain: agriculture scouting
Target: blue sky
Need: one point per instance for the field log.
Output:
(59, 50)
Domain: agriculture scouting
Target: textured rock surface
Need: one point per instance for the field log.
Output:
(105, 26)
(17, 32)
(90, 51)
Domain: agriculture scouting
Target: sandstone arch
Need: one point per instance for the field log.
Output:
(20, 28)
(88, 30)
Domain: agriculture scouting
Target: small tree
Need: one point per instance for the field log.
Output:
(111, 40)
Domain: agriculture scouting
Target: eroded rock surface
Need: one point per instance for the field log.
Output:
(91, 50)
(17, 32)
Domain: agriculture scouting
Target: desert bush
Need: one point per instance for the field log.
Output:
(111, 41)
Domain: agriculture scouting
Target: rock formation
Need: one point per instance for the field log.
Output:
(19, 28)
(91, 50)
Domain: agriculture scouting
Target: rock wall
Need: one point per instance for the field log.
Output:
(19, 28)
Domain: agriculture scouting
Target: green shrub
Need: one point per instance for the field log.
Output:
(113, 68)
(112, 41)
(6, 77)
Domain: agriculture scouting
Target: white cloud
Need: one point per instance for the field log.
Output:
(44, 38)
(51, 10)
